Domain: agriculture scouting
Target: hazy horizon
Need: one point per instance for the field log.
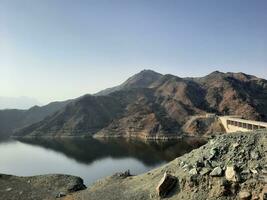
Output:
(58, 50)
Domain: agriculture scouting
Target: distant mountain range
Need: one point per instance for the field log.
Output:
(17, 102)
(148, 104)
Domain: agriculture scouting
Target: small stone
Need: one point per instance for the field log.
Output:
(231, 174)
(217, 171)
(245, 171)
(123, 174)
(166, 184)
(193, 171)
(255, 155)
(244, 195)
(184, 166)
(213, 153)
(204, 171)
(236, 145)
(8, 189)
(60, 194)
(254, 171)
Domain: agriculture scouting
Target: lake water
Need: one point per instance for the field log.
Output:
(88, 158)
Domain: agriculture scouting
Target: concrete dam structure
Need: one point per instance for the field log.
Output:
(235, 123)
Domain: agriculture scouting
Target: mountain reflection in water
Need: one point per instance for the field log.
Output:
(87, 157)
(87, 150)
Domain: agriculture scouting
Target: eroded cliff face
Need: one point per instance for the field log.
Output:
(230, 166)
(152, 105)
(203, 125)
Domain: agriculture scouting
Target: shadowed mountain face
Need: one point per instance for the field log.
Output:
(12, 119)
(89, 150)
(153, 105)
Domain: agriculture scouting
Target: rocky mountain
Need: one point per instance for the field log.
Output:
(13, 119)
(151, 105)
(141, 80)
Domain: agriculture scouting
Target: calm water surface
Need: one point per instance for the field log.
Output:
(88, 158)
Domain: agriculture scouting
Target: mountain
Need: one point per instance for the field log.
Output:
(17, 102)
(141, 80)
(151, 105)
(12, 119)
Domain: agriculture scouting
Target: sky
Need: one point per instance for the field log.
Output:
(60, 49)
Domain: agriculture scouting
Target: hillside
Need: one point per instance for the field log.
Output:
(151, 105)
(13, 119)
(228, 167)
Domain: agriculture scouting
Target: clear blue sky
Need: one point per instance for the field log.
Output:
(59, 49)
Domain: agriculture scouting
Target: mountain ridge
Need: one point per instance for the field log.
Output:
(150, 104)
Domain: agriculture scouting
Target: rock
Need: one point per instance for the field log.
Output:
(204, 171)
(207, 163)
(264, 193)
(214, 164)
(8, 189)
(166, 184)
(254, 171)
(217, 171)
(185, 166)
(60, 194)
(244, 195)
(213, 153)
(193, 171)
(123, 174)
(236, 145)
(199, 163)
(231, 174)
(255, 155)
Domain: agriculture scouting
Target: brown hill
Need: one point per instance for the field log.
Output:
(154, 105)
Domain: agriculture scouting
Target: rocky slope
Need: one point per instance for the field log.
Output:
(151, 105)
(230, 166)
(200, 124)
(45, 187)
(13, 119)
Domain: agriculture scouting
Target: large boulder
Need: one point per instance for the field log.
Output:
(166, 184)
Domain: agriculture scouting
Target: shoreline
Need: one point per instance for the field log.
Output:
(201, 174)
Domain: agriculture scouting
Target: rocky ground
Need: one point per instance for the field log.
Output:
(230, 166)
(43, 187)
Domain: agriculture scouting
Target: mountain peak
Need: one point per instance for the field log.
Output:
(216, 72)
(147, 71)
(140, 80)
